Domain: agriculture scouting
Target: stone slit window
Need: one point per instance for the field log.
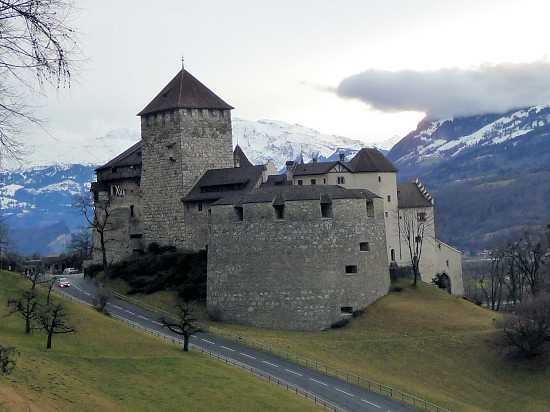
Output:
(364, 246)
(370, 209)
(199, 207)
(351, 269)
(326, 210)
(389, 198)
(279, 211)
(239, 215)
(131, 210)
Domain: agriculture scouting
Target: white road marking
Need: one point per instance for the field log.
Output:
(193, 336)
(248, 356)
(77, 288)
(315, 380)
(158, 323)
(131, 313)
(225, 347)
(208, 341)
(295, 373)
(340, 390)
(270, 364)
(143, 317)
(370, 403)
(118, 307)
(86, 293)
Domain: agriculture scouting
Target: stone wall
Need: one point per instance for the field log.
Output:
(291, 273)
(178, 146)
(123, 233)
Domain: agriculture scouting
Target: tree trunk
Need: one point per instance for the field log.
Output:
(49, 344)
(186, 342)
(104, 255)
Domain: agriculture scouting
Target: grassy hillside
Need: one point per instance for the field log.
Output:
(451, 354)
(108, 366)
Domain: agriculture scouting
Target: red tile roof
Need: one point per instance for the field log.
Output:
(185, 91)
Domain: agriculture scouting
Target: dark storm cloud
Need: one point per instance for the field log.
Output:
(452, 92)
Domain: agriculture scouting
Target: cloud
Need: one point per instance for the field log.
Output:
(452, 92)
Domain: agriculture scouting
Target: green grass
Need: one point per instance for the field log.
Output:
(451, 356)
(108, 366)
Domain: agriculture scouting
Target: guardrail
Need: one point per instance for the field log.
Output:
(329, 370)
(264, 375)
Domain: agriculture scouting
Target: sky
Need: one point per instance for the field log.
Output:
(363, 69)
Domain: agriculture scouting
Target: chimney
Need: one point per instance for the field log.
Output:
(289, 170)
(314, 160)
(342, 157)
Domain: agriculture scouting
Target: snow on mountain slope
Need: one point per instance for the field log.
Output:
(448, 138)
(65, 150)
(279, 141)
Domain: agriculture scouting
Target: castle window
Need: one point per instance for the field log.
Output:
(187, 207)
(209, 212)
(386, 214)
(351, 269)
(324, 180)
(163, 118)
(313, 181)
(447, 262)
(131, 210)
(364, 246)
(380, 179)
(326, 210)
(113, 170)
(370, 209)
(300, 182)
(172, 116)
(279, 211)
(239, 216)
(199, 207)
(392, 255)
(389, 198)
(341, 180)
(189, 113)
(421, 217)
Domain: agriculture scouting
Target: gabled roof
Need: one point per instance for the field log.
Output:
(185, 91)
(206, 188)
(371, 160)
(240, 158)
(410, 196)
(130, 157)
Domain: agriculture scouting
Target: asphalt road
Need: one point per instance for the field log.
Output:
(341, 393)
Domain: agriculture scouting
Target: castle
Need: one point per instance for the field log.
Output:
(292, 251)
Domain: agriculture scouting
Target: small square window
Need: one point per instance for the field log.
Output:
(326, 210)
(351, 269)
(364, 246)
(341, 180)
(313, 181)
(386, 213)
(300, 182)
(279, 211)
(389, 198)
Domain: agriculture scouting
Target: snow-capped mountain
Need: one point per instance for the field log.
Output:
(489, 174)
(476, 139)
(279, 141)
(64, 150)
(36, 197)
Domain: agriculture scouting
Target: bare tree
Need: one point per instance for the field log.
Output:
(37, 46)
(102, 297)
(98, 214)
(529, 328)
(528, 254)
(27, 306)
(185, 324)
(493, 288)
(415, 226)
(4, 241)
(80, 246)
(54, 321)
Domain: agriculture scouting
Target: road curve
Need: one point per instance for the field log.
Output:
(344, 394)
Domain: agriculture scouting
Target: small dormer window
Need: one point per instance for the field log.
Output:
(313, 181)
(341, 180)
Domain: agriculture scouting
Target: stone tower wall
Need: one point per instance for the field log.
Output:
(178, 146)
(291, 273)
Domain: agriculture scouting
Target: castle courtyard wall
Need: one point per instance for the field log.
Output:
(290, 273)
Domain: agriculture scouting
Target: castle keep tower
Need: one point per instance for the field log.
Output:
(185, 130)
